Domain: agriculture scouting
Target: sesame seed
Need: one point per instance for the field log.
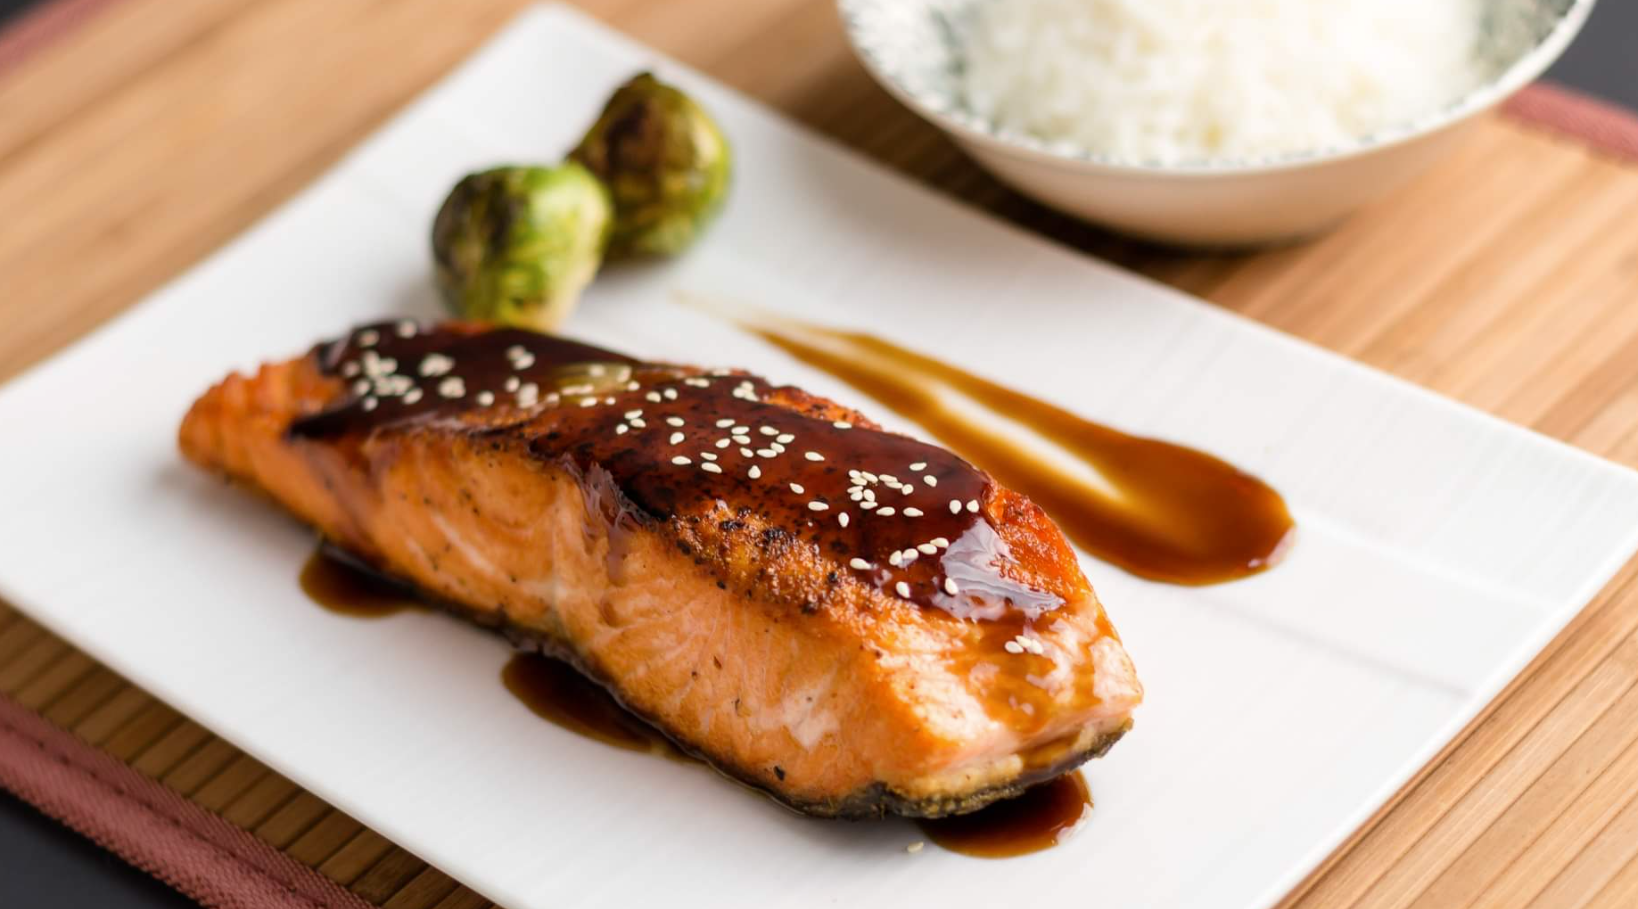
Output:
(746, 453)
(818, 506)
(860, 564)
(941, 543)
(895, 559)
(950, 587)
(842, 424)
(411, 396)
(515, 351)
(588, 402)
(653, 396)
(902, 589)
(885, 512)
(972, 505)
(670, 394)
(767, 430)
(909, 555)
(622, 429)
(349, 369)
(741, 430)
(633, 414)
(813, 456)
(754, 472)
(596, 369)
(867, 505)
(905, 489)
(708, 456)
(919, 465)
(674, 421)
(955, 506)
(785, 438)
(698, 383)
(406, 329)
(915, 847)
(676, 437)
(1013, 647)
(929, 479)
(609, 399)
(638, 424)
(681, 461)
(370, 403)
(524, 362)
(766, 453)
(912, 512)
(842, 519)
(869, 477)
(797, 488)
(528, 395)
(708, 467)
(742, 440)
(725, 422)
(512, 383)
(632, 385)
(722, 443)
(362, 386)
(889, 479)
(368, 337)
(777, 447)
(452, 387)
(926, 548)
(486, 398)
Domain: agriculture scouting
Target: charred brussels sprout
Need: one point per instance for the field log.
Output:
(517, 245)
(665, 162)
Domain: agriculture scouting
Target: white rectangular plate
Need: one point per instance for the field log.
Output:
(1439, 548)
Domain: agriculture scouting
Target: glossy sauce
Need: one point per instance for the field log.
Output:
(1044, 816)
(341, 586)
(1160, 511)
(557, 692)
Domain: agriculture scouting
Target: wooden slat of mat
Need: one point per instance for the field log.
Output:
(1504, 277)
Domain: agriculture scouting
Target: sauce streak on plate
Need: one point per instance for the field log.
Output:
(1044, 816)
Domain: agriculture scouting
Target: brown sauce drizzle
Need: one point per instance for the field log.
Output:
(342, 586)
(1046, 815)
(555, 691)
(1163, 511)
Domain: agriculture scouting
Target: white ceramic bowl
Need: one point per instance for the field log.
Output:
(910, 47)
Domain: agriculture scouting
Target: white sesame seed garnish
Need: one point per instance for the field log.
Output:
(742, 440)
(813, 456)
(698, 383)
(622, 429)
(362, 386)
(818, 506)
(638, 424)
(912, 512)
(670, 394)
(909, 555)
(797, 488)
(767, 430)
(777, 447)
(746, 453)
(741, 430)
(919, 465)
(681, 461)
(708, 456)
(941, 543)
(529, 395)
(950, 587)
(452, 387)
(859, 564)
(895, 559)
(524, 362)
(889, 480)
(754, 472)
(673, 421)
(370, 404)
(588, 402)
(609, 399)
(406, 329)
(583, 388)
(868, 476)
(513, 383)
(368, 337)
(412, 396)
(926, 548)
(1013, 647)
(632, 385)
(842, 519)
(633, 414)
(905, 489)
(766, 453)
(972, 505)
(955, 506)
(723, 443)
(653, 396)
(842, 424)
(515, 351)
(596, 369)
(902, 589)
(349, 369)
(708, 467)
(867, 505)
(929, 479)
(725, 422)
(485, 398)
(915, 847)
(785, 438)
(885, 512)
(676, 437)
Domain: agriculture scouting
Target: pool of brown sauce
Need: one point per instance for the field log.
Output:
(1158, 510)
(558, 693)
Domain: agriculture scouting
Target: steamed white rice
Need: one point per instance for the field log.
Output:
(1199, 80)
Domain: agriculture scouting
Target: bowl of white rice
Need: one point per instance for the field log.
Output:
(1207, 122)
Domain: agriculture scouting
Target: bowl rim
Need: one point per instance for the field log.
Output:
(1519, 73)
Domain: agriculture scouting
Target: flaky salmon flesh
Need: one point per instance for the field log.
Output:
(854, 621)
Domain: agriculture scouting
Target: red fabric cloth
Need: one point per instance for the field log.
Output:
(1610, 129)
(149, 825)
(41, 25)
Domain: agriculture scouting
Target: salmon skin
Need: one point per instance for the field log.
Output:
(854, 621)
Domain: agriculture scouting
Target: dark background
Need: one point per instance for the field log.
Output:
(46, 866)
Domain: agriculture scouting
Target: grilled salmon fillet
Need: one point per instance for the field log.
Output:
(852, 620)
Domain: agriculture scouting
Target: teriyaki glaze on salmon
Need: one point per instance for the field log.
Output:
(854, 621)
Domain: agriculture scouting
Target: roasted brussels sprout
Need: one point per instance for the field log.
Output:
(664, 160)
(517, 245)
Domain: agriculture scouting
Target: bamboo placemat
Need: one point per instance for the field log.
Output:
(143, 138)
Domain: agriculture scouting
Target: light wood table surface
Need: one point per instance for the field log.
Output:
(1507, 278)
